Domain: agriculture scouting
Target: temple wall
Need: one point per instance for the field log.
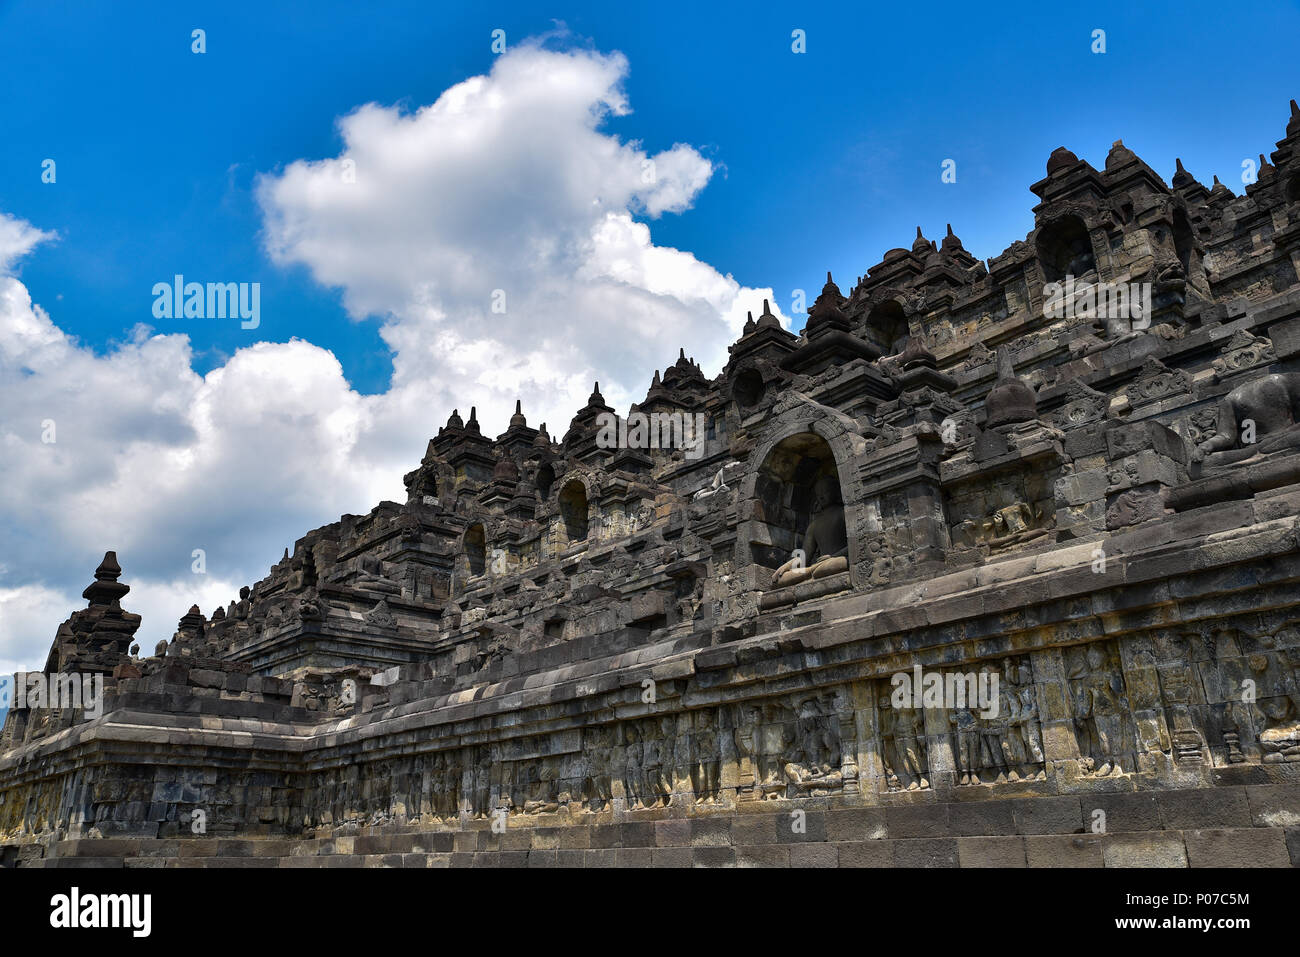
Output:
(1143, 672)
(631, 654)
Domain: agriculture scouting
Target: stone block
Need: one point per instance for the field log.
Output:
(916, 821)
(866, 853)
(1064, 850)
(814, 855)
(1237, 847)
(1204, 808)
(854, 824)
(800, 827)
(1005, 851)
(762, 855)
(934, 852)
(713, 856)
(1274, 805)
(1049, 815)
(678, 857)
(1164, 849)
(1123, 811)
(710, 831)
(979, 818)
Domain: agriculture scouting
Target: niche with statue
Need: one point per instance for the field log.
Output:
(801, 532)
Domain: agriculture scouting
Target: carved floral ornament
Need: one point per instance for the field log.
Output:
(1244, 351)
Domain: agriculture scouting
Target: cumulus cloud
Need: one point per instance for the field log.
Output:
(17, 238)
(506, 189)
(134, 451)
(506, 193)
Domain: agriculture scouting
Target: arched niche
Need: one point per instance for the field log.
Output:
(475, 545)
(749, 389)
(797, 481)
(545, 480)
(574, 510)
(887, 327)
(1064, 248)
(766, 534)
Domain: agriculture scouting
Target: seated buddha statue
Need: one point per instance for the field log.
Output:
(825, 544)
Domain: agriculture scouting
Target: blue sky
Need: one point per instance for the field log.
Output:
(828, 159)
(775, 166)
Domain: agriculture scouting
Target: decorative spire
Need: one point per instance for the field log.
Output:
(1119, 155)
(106, 589)
(109, 570)
(517, 421)
(454, 420)
(1061, 159)
(472, 424)
(825, 312)
(767, 320)
(1220, 192)
(505, 471)
(1293, 127)
(951, 243)
(1266, 170)
(1181, 176)
(920, 244)
(1010, 400)
(749, 322)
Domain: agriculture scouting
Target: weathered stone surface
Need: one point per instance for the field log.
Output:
(1237, 847)
(718, 648)
(991, 852)
(926, 853)
(1059, 850)
(1145, 850)
(1183, 809)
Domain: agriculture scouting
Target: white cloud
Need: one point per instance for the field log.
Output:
(25, 615)
(17, 238)
(507, 185)
(135, 452)
(506, 182)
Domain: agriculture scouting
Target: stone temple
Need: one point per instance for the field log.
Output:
(1068, 476)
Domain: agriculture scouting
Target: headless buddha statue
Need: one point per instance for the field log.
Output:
(825, 544)
(1266, 412)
